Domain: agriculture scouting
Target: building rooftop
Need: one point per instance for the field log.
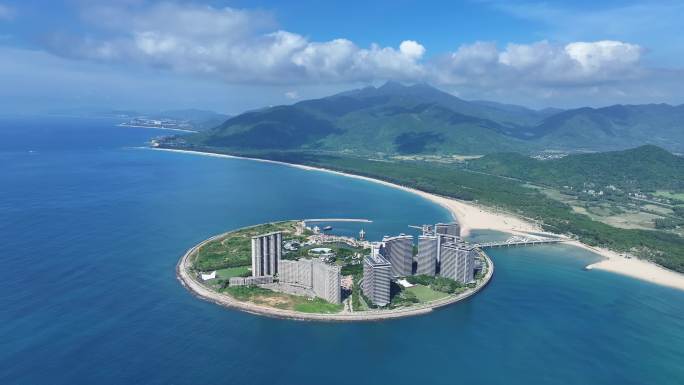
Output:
(377, 260)
(267, 234)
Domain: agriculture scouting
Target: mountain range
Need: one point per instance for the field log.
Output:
(420, 119)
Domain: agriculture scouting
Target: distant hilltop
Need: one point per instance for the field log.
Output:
(396, 119)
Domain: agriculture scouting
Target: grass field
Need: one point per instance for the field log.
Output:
(230, 272)
(283, 301)
(426, 294)
(234, 249)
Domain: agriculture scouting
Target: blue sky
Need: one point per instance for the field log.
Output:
(231, 56)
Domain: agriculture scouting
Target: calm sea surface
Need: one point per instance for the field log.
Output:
(91, 229)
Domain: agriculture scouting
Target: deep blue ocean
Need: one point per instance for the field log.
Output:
(91, 228)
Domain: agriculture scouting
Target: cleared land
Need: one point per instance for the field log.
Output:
(283, 301)
(622, 214)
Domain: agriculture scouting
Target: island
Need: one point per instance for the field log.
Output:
(298, 270)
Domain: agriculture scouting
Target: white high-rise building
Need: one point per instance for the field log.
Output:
(323, 279)
(266, 253)
(376, 279)
(457, 261)
(326, 281)
(399, 252)
(426, 259)
(296, 272)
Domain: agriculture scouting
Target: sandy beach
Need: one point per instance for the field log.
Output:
(474, 217)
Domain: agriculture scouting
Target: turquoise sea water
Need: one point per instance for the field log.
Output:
(91, 229)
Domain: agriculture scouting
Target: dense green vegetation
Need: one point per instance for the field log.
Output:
(668, 223)
(352, 270)
(234, 249)
(646, 168)
(419, 119)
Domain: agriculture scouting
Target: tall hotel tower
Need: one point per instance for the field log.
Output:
(376, 279)
(452, 228)
(266, 253)
(426, 259)
(399, 252)
(458, 261)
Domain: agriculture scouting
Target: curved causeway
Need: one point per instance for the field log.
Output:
(192, 280)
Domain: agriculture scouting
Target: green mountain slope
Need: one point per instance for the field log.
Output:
(614, 127)
(419, 119)
(645, 168)
(392, 119)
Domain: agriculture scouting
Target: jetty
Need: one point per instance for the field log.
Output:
(360, 220)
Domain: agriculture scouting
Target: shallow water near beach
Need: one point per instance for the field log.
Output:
(92, 227)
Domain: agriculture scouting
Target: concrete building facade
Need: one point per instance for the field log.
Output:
(458, 261)
(296, 272)
(326, 280)
(451, 228)
(377, 273)
(322, 278)
(248, 281)
(399, 252)
(266, 254)
(426, 259)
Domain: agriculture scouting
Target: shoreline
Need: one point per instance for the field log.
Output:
(474, 217)
(202, 292)
(157, 128)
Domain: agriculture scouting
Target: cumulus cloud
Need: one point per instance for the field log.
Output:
(247, 47)
(541, 63)
(235, 45)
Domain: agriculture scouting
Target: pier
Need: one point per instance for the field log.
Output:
(361, 220)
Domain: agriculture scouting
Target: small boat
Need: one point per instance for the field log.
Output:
(327, 228)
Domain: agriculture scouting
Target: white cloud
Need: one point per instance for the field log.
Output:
(541, 63)
(597, 55)
(247, 47)
(412, 48)
(292, 95)
(235, 45)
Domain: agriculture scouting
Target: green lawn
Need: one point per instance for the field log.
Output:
(425, 294)
(230, 272)
(317, 305)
